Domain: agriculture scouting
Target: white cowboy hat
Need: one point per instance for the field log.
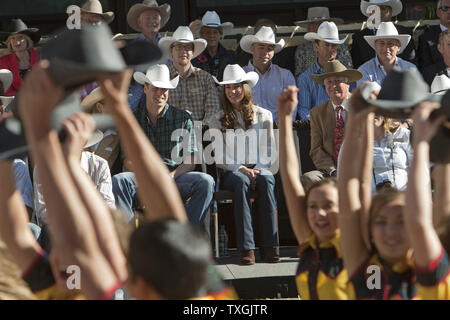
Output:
(396, 6)
(96, 137)
(316, 14)
(440, 85)
(6, 78)
(328, 32)
(136, 10)
(387, 30)
(95, 7)
(234, 73)
(264, 35)
(211, 19)
(184, 35)
(158, 76)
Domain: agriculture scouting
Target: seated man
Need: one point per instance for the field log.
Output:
(388, 44)
(92, 13)
(159, 120)
(361, 51)
(441, 67)
(328, 120)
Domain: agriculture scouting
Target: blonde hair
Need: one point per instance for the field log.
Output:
(30, 43)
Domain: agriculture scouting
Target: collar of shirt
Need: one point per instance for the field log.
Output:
(174, 72)
(443, 28)
(253, 68)
(379, 65)
(313, 242)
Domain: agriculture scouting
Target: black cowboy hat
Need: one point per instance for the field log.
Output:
(400, 92)
(13, 143)
(440, 144)
(17, 26)
(78, 57)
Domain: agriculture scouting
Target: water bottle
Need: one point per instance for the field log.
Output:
(223, 241)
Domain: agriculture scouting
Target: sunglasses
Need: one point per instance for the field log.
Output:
(444, 8)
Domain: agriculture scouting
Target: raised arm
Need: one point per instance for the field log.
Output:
(289, 166)
(441, 204)
(418, 213)
(351, 208)
(157, 190)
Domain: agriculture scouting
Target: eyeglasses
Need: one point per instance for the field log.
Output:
(444, 8)
(180, 47)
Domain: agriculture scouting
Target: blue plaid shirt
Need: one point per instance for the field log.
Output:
(160, 135)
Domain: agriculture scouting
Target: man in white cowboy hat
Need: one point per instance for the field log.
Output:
(272, 78)
(328, 119)
(427, 51)
(388, 44)
(159, 120)
(442, 66)
(148, 18)
(361, 51)
(304, 53)
(92, 14)
(196, 91)
(215, 58)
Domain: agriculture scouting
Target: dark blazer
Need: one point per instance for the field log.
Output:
(362, 52)
(434, 70)
(427, 51)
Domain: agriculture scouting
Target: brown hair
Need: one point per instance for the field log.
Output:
(327, 181)
(442, 35)
(30, 43)
(229, 120)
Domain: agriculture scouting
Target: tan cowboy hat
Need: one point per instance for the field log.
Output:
(136, 10)
(396, 6)
(96, 95)
(264, 35)
(336, 69)
(316, 14)
(387, 30)
(95, 7)
(184, 35)
(96, 137)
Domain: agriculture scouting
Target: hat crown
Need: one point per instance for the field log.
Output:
(150, 3)
(265, 34)
(183, 33)
(334, 66)
(440, 83)
(93, 6)
(403, 85)
(16, 25)
(378, 1)
(159, 72)
(387, 29)
(233, 72)
(211, 18)
(318, 13)
(328, 30)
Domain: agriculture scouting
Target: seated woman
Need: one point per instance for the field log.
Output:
(20, 41)
(248, 162)
(313, 215)
(376, 243)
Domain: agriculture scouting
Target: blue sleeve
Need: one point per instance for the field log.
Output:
(290, 81)
(304, 98)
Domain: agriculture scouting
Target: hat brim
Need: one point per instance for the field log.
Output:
(304, 23)
(137, 9)
(6, 78)
(6, 100)
(352, 75)
(312, 36)
(250, 77)
(396, 6)
(226, 26)
(248, 40)
(142, 79)
(33, 33)
(403, 38)
(96, 137)
(108, 17)
(199, 45)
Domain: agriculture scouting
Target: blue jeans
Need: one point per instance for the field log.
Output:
(266, 204)
(195, 188)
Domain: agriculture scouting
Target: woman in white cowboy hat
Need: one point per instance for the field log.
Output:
(20, 41)
(388, 44)
(92, 13)
(240, 117)
(215, 58)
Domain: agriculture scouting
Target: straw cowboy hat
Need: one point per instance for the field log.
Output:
(336, 69)
(95, 7)
(89, 102)
(396, 6)
(17, 26)
(264, 35)
(136, 10)
(316, 14)
(400, 92)
(440, 143)
(440, 85)
(234, 73)
(211, 19)
(158, 76)
(387, 30)
(184, 35)
(328, 32)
